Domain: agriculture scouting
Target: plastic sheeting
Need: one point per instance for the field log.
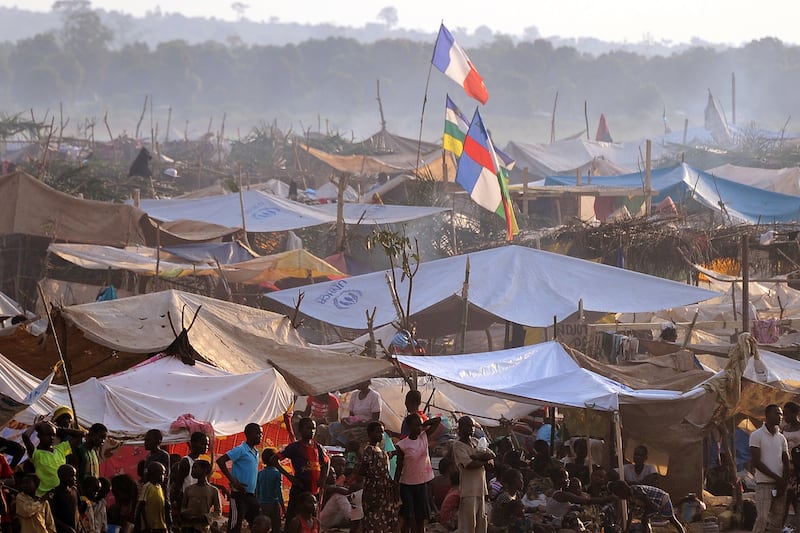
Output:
(155, 393)
(233, 337)
(514, 283)
(782, 180)
(542, 373)
(685, 185)
(447, 399)
(141, 260)
(29, 207)
(267, 213)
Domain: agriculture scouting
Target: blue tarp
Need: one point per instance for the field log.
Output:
(687, 185)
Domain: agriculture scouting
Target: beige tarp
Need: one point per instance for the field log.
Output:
(647, 423)
(233, 337)
(29, 207)
(431, 164)
(144, 260)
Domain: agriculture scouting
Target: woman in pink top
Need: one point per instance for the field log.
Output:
(414, 471)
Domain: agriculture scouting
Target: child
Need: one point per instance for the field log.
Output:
(65, 500)
(268, 490)
(151, 511)
(90, 486)
(99, 508)
(33, 512)
(262, 524)
(201, 504)
(46, 457)
(305, 521)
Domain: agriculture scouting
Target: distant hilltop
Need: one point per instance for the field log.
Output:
(157, 27)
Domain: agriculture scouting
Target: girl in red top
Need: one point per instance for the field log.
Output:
(306, 520)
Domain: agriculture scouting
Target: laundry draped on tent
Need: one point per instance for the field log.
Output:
(513, 283)
(156, 393)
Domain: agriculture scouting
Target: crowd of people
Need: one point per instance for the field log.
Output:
(357, 476)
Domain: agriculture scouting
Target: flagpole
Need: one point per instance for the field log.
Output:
(425, 101)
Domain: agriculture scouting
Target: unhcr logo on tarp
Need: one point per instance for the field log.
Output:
(346, 299)
(337, 287)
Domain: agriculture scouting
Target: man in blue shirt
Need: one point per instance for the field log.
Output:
(242, 476)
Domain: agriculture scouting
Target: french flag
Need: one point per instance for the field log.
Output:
(451, 59)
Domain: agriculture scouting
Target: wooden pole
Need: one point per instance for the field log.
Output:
(745, 283)
(465, 312)
(648, 186)
(137, 196)
(158, 249)
(553, 120)
(733, 98)
(586, 117)
(525, 190)
(46, 306)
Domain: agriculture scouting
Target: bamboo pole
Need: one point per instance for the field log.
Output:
(648, 186)
(745, 283)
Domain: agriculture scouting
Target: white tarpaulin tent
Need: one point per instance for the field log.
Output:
(155, 393)
(514, 283)
(783, 180)
(541, 373)
(233, 337)
(264, 212)
(445, 398)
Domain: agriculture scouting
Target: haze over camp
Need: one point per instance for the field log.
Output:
(348, 267)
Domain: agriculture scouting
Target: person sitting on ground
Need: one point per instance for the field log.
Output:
(33, 513)
(646, 502)
(336, 509)
(512, 484)
(518, 521)
(640, 473)
(440, 485)
(448, 510)
(495, 484)
(560, 503)
(578, 465)
(365, 407)
(721, 479)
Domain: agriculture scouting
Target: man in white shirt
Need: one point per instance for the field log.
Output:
(770, 459)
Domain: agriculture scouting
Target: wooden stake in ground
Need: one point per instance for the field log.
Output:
(141, 118)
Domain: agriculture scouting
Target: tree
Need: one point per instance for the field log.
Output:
(389, 16)
(241, 9)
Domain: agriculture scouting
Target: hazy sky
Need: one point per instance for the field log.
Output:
(719, 21)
